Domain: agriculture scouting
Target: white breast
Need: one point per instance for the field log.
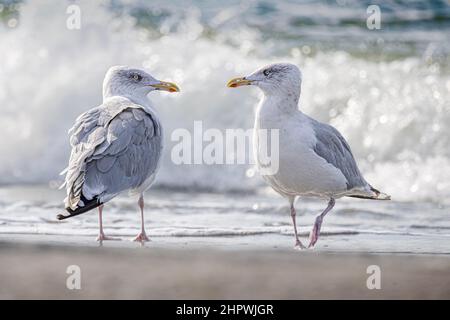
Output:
(301, 171)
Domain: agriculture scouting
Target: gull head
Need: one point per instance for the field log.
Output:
(125, 81)
(277, 78)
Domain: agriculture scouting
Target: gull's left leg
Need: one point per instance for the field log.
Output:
(142, 236)
(298, 243)
(315, 232)
(101, 235)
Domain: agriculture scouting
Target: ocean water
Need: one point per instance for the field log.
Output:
(386, 90)
(177, 219)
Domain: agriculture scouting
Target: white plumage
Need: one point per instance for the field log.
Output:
(314, 159)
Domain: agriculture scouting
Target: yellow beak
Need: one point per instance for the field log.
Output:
(166, 86)
(237, 82)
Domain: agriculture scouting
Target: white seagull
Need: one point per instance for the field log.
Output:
(116, 146)
(314, 159)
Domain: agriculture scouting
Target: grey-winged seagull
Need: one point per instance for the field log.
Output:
(314, 158)
(116, 147)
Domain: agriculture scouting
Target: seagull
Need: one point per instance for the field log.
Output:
(314, 159)
(116, 147)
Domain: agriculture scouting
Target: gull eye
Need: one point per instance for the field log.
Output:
(266, 72)
(136, 77)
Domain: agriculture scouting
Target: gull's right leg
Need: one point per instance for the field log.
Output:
(142, 236)
(298, 243)
(315, 232)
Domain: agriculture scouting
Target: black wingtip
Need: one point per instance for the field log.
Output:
(89, 205)
(61, 217)
(378, 195)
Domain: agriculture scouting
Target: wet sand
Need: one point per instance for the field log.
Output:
(38, 271)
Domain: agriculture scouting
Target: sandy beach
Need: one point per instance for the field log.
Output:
(38, 271)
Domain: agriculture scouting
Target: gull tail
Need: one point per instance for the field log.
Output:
(88, 205)
(377, 195)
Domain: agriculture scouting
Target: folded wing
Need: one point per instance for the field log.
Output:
(115, 147)
(332, 147)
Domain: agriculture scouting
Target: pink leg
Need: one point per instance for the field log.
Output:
(101, 235)
(315, 232)
(142, 236)
(298, 243)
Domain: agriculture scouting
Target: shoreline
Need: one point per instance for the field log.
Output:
(360, 243)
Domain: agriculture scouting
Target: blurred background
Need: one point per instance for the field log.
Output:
(386, 90)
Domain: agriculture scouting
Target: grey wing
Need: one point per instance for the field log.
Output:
(105, 147)
(126, 158)
(335, 150)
